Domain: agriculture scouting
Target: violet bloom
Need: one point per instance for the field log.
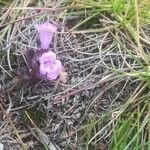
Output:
(50, 67)
(46, 31)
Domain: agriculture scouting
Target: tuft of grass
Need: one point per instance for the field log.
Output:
(89, 130)
(131, 129)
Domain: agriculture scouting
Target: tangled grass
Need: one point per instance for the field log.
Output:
(104, 104)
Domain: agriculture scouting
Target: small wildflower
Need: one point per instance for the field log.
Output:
(50, 68)
(46, 31)
(43, 63)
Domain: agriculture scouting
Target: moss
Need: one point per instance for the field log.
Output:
(38, 116)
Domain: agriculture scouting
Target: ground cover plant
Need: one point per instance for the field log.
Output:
(98, 97)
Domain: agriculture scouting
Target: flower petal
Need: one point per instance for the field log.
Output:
(50, 67)
(47, 56)
(46, 31)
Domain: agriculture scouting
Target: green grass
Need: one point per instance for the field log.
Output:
(132, 125)
(131, 131)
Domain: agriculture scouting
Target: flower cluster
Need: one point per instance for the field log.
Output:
(44, 62)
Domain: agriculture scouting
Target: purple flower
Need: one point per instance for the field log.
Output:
(50, 67)
(46, 31)
(43, 63)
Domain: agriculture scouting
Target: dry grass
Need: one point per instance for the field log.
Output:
(105, 70)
